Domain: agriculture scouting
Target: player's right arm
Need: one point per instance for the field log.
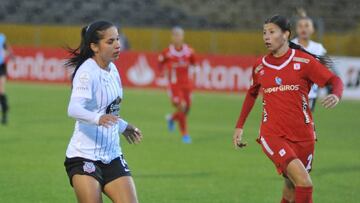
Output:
(83, 85)
(162, 61)
(247, 106)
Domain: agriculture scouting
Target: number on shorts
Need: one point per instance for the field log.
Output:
(309, 159)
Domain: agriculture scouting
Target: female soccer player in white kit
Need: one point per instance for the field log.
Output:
(94, 161)
(304, 31)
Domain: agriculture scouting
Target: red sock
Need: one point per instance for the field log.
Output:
(283, 200)
(303, 194)
(182, 123)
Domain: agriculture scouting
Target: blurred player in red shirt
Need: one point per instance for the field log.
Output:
(175, 61)
(285, 77)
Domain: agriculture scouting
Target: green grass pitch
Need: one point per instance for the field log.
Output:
(32, 149)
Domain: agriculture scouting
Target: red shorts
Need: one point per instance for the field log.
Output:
(180, 95)
(282, 151)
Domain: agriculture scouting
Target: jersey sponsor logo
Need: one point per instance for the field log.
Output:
(258, 68)
(281, 88)
(300, 59)
(278, 80)
(114, 107)
(89, 167)
(82, 88)
(297, 66)
(304, 109)
(282, 152)
(265, 114)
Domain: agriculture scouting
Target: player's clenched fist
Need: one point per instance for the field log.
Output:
(237, 138)
(132, 134)
(330, 101)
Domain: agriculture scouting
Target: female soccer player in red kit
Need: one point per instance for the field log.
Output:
(287, 136)
(175, 61)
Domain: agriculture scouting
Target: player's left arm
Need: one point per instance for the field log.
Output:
(130, 132)
(321, 75)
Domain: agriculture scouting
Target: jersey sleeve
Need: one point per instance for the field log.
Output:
(318, 73)
(77, 110)
(122, 125)
(82, 84)
(162, 59)
(323, 50)
(250, 99)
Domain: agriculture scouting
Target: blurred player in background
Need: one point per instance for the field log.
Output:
(175, 61)
(5, 54)
(304, 31)
(94, 160)
(287, 136)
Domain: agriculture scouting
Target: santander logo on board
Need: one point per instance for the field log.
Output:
(141, 73)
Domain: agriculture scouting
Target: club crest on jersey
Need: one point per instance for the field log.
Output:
(89, 167)
(278, 80)
(297, 66)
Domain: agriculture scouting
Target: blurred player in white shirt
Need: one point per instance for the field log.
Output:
(304, 31)
(94, 161)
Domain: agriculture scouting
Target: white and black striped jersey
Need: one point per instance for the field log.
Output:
(95, 92)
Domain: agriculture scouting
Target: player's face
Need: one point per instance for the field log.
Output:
(304, 29)
(274, 37)
(108, 48)
(177, 37)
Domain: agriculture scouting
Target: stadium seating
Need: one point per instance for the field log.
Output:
(338, 15)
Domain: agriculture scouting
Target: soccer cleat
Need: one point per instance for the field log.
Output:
(170, 123)
(186, 139)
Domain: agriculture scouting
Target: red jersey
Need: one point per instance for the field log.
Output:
(285, 83)
(176, 63)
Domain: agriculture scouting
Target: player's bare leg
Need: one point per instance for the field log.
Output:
(3, 100)
(121, 190)
(302, 181)
(288, 191)
(87, 189)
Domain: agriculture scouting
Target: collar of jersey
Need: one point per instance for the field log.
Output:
(282, 65)
(179, 53)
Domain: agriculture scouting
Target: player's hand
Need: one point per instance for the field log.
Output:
(108, 120)
(330, 101)
(237, 138)
(132, 134)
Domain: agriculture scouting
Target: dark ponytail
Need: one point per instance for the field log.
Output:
(325, 59)
(285, 25)
(89, 34)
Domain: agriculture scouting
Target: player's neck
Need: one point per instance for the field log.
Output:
(281, 51)
(304, 42)
(101, 63)
(178, 46)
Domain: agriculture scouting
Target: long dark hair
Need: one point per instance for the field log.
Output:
(91, 33)
(285, 25)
